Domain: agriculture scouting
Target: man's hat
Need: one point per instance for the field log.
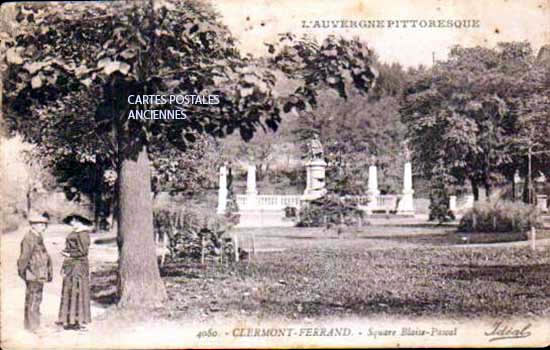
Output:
(37, 219)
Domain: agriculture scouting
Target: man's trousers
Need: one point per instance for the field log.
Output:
(33, 298)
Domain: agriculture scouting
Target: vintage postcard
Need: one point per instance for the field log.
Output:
(275, 174)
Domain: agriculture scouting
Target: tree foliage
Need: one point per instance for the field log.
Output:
(73, 66)
(328, 211)
(336, 63)
(189, 171)
(465, 114)
(355, 130)
(69, 77)
(91, 54)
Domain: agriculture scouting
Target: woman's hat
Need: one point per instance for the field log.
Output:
(78, 218)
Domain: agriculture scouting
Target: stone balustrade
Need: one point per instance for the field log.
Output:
(381, 202)
(386, 202)
(268, 201)
(251, 201)
(280, 202)
(357, 200)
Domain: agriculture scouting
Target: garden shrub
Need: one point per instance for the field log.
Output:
(193, 235)
(293, 176)
(232, 216)
(329, 210)
(498, 215)
(10, 221)
(439, 197)
(290, 212)
(59, 207)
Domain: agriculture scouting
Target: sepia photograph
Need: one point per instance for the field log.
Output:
(274, 174)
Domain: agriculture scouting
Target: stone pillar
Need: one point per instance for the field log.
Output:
(251, 180)
(469, 204)
(406, 204)
(315, 184)
(251, 192)
(372, 191)
(452, 204)
(222, 191)
(373, 180)
(542, 203)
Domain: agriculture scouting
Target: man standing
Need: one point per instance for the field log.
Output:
(34, 267)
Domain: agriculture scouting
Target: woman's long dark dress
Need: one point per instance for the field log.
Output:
(75, 293)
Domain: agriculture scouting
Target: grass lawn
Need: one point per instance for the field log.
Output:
(380, 271)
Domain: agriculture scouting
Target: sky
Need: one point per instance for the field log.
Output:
(254, 22)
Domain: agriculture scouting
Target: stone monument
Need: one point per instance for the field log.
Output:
(406, 204)
(315, 168)
(222, 192)
(542, 203)
(542, 199)
(372, 187)
(452, 204)
(251, 191)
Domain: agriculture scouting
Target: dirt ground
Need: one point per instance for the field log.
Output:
(13, 288)
(279, 282)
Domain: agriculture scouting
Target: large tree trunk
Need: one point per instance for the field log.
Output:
(140, 283)
(98, 192)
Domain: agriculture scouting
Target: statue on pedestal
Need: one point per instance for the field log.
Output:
(373, 160)
(250, 156)
(407, 151)
(315, 166)
(315, 149)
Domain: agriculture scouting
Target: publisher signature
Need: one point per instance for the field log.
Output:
(501, 331)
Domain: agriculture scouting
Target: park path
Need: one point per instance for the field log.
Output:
(104, 332)
(109, 328)
(13, 334)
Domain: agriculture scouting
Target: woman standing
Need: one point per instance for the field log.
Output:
(74, 311)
